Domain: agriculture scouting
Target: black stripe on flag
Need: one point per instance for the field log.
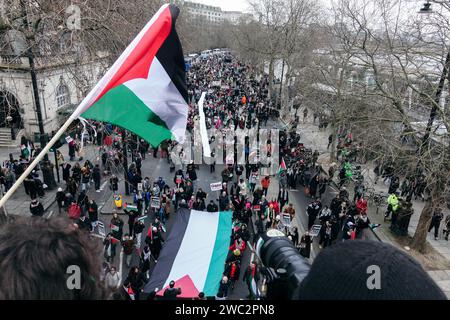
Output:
(171, 57)
(169, 251)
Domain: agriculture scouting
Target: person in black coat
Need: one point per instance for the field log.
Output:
(137, 281)
(132, 215)
(36, 208)
(283, 197)
(66, 171)
(84, 223)
(305, 245)
(171, 293)
(223, 286)
(60, 199)
(313, 211)
(93, 212)
(96, 175)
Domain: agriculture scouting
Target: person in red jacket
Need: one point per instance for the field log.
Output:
(265, 183)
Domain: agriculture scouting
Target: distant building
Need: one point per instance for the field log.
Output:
(63, 80)
(211, 14)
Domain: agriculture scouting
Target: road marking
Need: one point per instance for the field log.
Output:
(102, 187)
(50, 214)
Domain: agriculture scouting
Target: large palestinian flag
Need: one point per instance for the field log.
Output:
(194, 253)
(145, 89)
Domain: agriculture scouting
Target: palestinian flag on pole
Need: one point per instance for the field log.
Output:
(282, 167)
(145, 89)
(194, 253)
(251, 280)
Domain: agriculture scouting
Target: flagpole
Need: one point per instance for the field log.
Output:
(35, 162)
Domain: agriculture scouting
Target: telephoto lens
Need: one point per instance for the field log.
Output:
(285, 268)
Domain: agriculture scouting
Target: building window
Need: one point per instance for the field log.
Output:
(62, 96)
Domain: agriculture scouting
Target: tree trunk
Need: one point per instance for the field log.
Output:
(420, 236)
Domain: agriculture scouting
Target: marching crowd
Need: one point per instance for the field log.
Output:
(236, 100)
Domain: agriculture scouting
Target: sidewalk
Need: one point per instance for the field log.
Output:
(314, 138)
(19, 203)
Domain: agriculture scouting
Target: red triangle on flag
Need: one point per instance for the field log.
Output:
(188, 289)
(283, 164)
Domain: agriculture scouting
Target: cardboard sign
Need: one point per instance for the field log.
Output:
(315, 229)
(155, 202)
(69, 139)
(142, 218)
(257, 207)
(140, 187)
(101, 228)
(216, 186)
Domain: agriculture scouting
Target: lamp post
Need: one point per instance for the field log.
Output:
(46, 166)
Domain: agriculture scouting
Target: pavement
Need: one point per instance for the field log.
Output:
(317, 139)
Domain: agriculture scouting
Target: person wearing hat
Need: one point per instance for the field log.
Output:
(36, 208)
(184, 204)
(154, 241)
(367, 270)
(60, 199)
(171, 293)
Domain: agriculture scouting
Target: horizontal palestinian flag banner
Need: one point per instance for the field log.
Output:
(194, 253)
(145, 89)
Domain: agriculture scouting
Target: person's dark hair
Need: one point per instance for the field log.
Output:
(35, 254)
(172, 284)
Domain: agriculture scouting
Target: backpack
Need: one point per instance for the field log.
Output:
(74, 211)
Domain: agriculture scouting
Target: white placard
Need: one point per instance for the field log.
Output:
(101, 228)
(216, 186)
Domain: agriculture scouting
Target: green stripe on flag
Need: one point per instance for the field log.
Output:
(121, 107)
(220, 252)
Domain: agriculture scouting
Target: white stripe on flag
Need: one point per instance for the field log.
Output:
(163, 98)
(196, 250)
(98, 88)
(203, 132)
